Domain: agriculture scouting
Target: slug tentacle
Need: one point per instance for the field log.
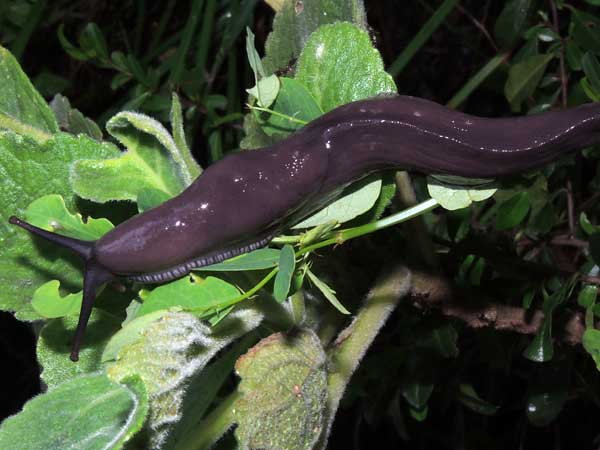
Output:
(241, 201)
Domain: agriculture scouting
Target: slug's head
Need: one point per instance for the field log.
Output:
(94, 275)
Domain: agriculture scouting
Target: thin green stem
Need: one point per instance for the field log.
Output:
(351, 233)
(278, 114)
(213, 426)
(352, 343)
(186, 40)
(421, 37)
(476, 80)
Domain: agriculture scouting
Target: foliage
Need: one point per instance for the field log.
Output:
(167, 371)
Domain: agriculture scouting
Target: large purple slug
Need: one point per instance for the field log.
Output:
(239, 203)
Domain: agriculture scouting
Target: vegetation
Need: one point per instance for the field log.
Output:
(470, 326)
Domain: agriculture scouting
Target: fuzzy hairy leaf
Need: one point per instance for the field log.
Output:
(166, 352)
(28, 171)
(89, 412)
(284, 385)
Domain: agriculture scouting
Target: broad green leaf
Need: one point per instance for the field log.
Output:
(72, 120)
(168, 351)
(54, 346)
(354, 201)
(547, 395)
(541, 348)
(511, 22)
(295, 21)
(524, 77)
(150, 198)
(51, 213)
(190, 293)
(287, 265)
(284, 388)
(339, 65)
(294, 101)
(153, 160)
(327, 292)
(264, 258)
(28, 171)
(512, 212)
(591, 343)
(49, 303)
(585, 31)
(88, 412)
(457, 197)
(22, 108)
(468, 397)
(587, 296)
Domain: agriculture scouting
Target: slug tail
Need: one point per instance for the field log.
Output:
(94, 276)
(78, 246)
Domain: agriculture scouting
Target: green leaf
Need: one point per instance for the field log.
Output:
(190, 293)
(28, 171)
(71, 120)
(591, 68)
(547, 395)
(287, 265)
(50, 213)
(153, 160)
(524, 77)
(150, 197)
(284, 387)
(354, 201)
(585, 31)
(90, 412)
(541, 348)
(293, 100)
(511, 22)
(417, 393)
(265, 91)
(22, 108)
(336, 73)
(264, 258)
(591, 343)
(468, 397)
(179, 138)
(92, 42)
(54, 346)
(586, 225)
(167, 352)
(294, 23)
(454, 197)
(587, 296)
(327, 292)
(48, 302)
(512, 212)
(73, 51)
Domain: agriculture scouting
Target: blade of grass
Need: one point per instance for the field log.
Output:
(186, 40)
(477, 79)
(205, 39)
(160, 30)
(33, 19)
(421, 37)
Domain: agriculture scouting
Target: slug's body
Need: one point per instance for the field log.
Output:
(242, 201)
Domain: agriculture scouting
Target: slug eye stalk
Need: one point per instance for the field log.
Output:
(94, 274)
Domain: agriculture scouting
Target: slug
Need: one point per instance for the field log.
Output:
(239, 203)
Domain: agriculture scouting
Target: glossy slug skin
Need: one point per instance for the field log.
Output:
(242, 201)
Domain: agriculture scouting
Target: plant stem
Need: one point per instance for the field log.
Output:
(353, 342)
(351, 233)
(213, 426)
